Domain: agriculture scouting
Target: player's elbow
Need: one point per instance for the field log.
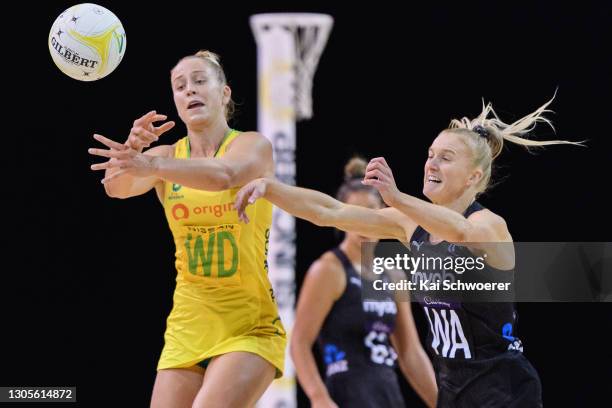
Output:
(295, 348)
(403, 362)
(460, 235)
(298, 346)
(222, 182)
(464, 232)
(326, 217)
(409, 359)
(224, 179)
(320, 220)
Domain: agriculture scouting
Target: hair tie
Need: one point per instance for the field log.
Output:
(481, 131)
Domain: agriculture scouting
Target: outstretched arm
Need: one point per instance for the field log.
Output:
(142, 134)
(436, 219)
(126, 185)
(250, 156)
(323, 210)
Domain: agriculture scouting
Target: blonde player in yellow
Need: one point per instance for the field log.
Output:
(224, 341)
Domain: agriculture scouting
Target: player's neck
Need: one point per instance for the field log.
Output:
(352, 249)
(205, 140)
(461, 203)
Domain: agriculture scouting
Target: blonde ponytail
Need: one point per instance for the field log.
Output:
(487, 133)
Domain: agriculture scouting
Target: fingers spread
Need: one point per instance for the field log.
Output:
(243, 217)
(158, 117)
(108, 153)
(102, 166)
(141, 135)
(109, 143)
(254, 196)
(239, 203)
(145, 119)
(163, 128)
(110, 164)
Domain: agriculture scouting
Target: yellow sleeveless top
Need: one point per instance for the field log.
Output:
(223, 300)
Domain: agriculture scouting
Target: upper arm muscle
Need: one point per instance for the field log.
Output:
(248, 157)
(324, 283)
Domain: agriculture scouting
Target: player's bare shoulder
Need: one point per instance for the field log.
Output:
(494, 221)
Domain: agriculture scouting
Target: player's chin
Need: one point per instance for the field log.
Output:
(196, 118)
(431, 190)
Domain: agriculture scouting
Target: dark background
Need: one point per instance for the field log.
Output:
(89, 279)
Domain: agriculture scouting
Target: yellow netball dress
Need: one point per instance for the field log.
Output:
(223, 300)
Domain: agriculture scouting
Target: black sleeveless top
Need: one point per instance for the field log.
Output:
(477, 357)
(354, 341)
(463, 330)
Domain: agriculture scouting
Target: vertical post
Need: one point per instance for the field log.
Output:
(276, 56)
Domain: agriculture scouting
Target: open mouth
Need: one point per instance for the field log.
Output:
(433, 179)
(195, 104)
